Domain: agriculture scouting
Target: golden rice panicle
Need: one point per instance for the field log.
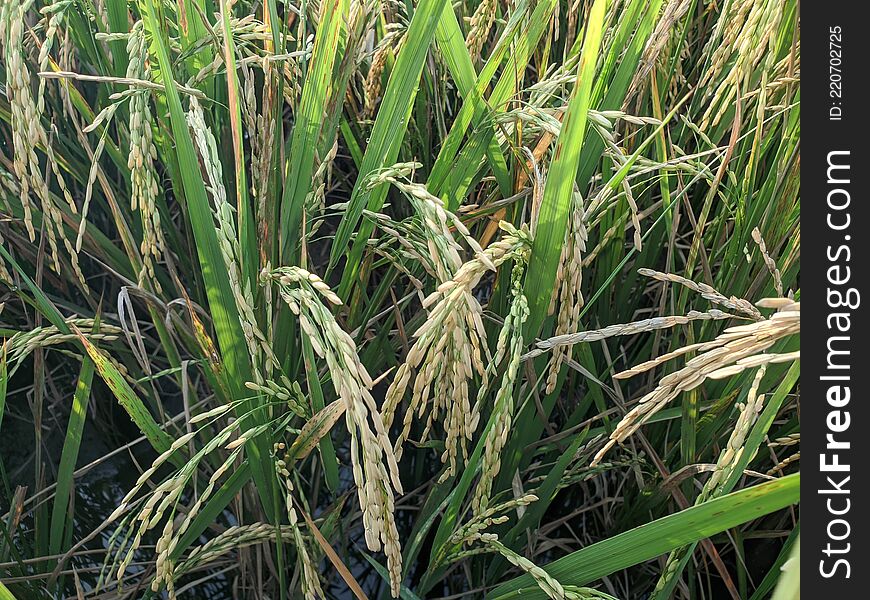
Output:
(454, 351)
(163, 499)
(375, 470)
(666, 30)
(388, 46)
(733, 450)
(707, 292)
(449, 347)
(568, 287)
(27, 134)
(738, 49)
(231, 539)
(768, 261)
(140, 160)
(5, 275)
(53, 15)
(261, 160)
(481, 23)
(462, 337)
(621, 329)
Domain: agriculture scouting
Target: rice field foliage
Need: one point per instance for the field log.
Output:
(421, 299)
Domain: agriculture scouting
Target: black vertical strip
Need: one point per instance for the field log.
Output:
(834, 269)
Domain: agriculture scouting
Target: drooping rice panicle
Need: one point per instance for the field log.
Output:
(635, 327)
(18, 346)
(390, 44)
(375, 470)
(448, 346)
(310, 578)
(474, 535)
(741, 44)
(143, 176)
(706, 292)
(780, 466)
(233, 538)
(481, 22)
(568, 293)
(163, 499)
(258, 346)
(27, 134)
(768, 262)
(510, 346)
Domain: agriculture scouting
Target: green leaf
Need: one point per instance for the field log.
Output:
(448, 37)
(125, 395)
(789, 586)
(327, 449)
(547, 492)
(775, 571)
(69, 455)
(451, 177)
(559, 187)
(385, 140)
(128, 399)
(223, 308)
(404, 592)
(5, 594)
(4, 382)
(309, 121)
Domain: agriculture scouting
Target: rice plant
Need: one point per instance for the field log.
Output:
(365, 298)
